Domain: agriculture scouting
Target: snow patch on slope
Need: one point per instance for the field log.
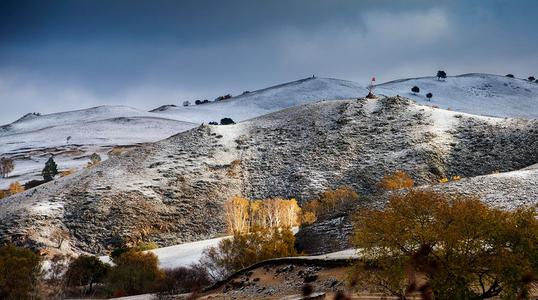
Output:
(268, 100)
(480, 94)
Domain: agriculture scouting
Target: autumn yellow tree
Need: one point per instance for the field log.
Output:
(15, 187)
(397, 180)
(245, 249)
(457, 246)
(328, 203)
(291, 213)
(237, 214)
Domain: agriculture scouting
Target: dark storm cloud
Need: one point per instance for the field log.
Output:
(58, 55)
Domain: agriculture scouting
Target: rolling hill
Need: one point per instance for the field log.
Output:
(172, 191)
(481, 94)
(31, 140)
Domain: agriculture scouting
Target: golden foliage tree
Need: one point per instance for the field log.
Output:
(237, 214)
(461, 247)
(15, 187)
(243, 215)
(398, 180)
(328, 203)
(245, 249)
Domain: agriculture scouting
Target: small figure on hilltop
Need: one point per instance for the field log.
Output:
(371, 89)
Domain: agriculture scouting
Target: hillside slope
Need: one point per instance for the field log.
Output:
(31, 140)
(172, 191)
(267, 100)
(481, 94)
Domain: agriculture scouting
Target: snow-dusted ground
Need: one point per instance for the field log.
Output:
(179, 255)
(480, 94)
(31, 140)
(261, 102)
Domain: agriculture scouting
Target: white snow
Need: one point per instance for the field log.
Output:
(31, 140)
(261, 102)
(179, 255)
(479, 94)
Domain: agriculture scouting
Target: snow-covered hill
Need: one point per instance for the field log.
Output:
(264, 101)
(31, 140)
(172, 191)
(480, 94)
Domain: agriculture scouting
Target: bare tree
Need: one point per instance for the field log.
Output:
(6, 166)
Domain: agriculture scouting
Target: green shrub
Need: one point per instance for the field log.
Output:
(20, 270)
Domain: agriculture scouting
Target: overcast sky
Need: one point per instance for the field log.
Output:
(63, 55)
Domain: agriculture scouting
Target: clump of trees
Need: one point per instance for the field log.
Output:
(226, 121)
(448, 247)
(220, 98)
(441, 75)
(243, 215)
(184, 280)
(510, 75)
(198, 102)
(20, 270)
(50, 170)
(531, 78)
(134, 272)
(328, 203)
(84, 273)
(245, 249)
(415, 90)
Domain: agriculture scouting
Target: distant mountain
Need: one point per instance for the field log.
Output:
(172, 191)
(480, 94)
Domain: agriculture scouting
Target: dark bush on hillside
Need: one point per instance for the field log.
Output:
(197, 102)
(213, 123)
(441, 74)
(220, 98)
(84, 272)
(531, 78)
(245, 92)
(33, 183)
(20, 270)
(134, 273)
(510, 75)
(184, 280)
(226, 121)
(415, 89)
(429, 96)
